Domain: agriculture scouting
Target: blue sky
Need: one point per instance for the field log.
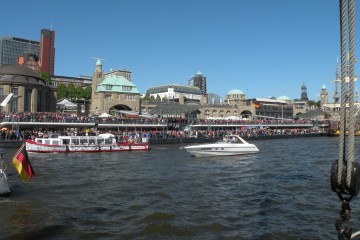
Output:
(261, 47)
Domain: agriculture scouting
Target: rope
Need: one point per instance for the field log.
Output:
(347, 117)
(341, 160)
(350, 150)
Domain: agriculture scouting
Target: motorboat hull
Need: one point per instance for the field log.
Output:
(203, 151)
(222, 148)
(4, 185)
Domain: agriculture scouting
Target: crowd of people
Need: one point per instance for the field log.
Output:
(175, 127)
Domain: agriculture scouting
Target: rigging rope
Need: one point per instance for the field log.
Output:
(345, 175)
(342, 144)
(347, 117)
(350, 149)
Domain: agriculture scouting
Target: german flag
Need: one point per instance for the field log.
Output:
(256, 104)
(22, 164)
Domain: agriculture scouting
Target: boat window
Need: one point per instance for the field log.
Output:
(83, 141)
(108, 141)
(47, 141)
(75, 141)
(56, 142)
(92, 141)
(100, 141)
(39, 140)
(66, 141)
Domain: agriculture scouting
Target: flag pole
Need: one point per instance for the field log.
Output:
(15, 155)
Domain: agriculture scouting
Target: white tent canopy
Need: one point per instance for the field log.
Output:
(66, 104)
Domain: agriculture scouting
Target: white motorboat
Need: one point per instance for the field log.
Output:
(4, 184)
(228, 146)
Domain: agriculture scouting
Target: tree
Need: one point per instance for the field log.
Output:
(213, 98)
(46, 77)
(71, 91)
(146, 97)
(311, 103)
(87, 92)
(61, 91)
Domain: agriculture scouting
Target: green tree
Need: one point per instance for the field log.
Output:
(79, 92)
(46, 77)
(87, 92)
(311, 103)
(146, 97)
(318, 104)
(71, 91)
(61, 91)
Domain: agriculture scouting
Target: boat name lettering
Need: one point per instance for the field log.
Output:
(206, 149)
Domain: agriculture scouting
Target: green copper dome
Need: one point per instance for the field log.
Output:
(235, 92)
(284, 98)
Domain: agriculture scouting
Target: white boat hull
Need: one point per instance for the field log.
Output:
(32, 146)
(222, 149)
(4, 184)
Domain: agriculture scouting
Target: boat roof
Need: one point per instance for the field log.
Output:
(103, 135)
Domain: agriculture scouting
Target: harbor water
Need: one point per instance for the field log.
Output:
(283, 192)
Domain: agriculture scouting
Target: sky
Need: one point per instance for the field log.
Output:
(265, 48)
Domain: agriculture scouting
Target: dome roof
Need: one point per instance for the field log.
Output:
(235, 92)
(285, 98)
(19, 74)
(17, 69)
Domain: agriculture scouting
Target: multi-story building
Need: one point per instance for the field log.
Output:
(198, 81)
(113, 92)
(12, 47)
(176, 93)
(47, 51)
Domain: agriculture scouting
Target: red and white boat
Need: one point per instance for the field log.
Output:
(101, 143)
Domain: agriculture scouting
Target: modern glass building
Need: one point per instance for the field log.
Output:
(12, 47)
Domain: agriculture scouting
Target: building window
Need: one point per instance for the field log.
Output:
(126, 88)
(108, 87)
(130, 98)
(107, 97)
(27, 100)
(14, 104)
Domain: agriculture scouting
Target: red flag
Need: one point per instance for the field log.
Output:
(22, 164)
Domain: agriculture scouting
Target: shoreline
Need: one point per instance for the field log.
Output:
(154, 141)
(204, 140)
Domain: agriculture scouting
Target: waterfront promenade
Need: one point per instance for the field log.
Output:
(17, 127)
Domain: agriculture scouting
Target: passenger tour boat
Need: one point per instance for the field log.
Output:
(101, 143)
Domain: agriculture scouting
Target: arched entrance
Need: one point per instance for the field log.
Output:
(246, 114)
(114, 110)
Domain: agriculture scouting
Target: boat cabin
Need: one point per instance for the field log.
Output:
(55, 139)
